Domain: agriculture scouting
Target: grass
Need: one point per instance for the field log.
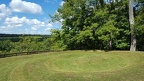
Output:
(74, 66)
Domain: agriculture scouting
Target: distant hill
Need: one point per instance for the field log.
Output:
(18, 35)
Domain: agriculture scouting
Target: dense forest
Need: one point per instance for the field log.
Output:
(14, 43)
(101, 24)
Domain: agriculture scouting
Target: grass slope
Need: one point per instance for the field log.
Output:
(74, 66)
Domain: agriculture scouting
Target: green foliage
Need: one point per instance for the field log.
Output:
(107, 31)
(122, 44)
(56, 42)
(139, 26)
(98, 24)
(24, 44)
(5, 46)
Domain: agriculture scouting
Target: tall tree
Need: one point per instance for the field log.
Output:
(101, 24)
(133, 32)
(139, 26)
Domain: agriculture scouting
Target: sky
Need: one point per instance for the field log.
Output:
(28, 16)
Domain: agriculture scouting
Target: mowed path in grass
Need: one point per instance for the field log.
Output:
(74, 66)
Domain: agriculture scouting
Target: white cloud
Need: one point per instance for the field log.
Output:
(4, 11)
(34, 28)
(48, 29)
(35, 22)
(15, 21)
(49, 25)
(23, 6)
(51, 1)
(62, 3)
(15, 24)
(3, 27)
(11, 22)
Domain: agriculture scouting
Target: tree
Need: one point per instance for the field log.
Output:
(133, 32)
(101, 24)
(5, 46)
(139, 23)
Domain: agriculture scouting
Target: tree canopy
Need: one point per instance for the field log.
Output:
(99, 24)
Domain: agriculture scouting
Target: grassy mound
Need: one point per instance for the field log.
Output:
(74, 66)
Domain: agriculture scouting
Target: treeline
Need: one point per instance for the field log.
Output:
(26, 43)
(18, 35)
(99, 24)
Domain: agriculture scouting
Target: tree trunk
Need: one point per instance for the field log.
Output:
(133, 32)
(110, 42)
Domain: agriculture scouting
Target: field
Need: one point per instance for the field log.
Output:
(74, 66)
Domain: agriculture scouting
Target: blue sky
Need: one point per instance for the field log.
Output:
(28, 16)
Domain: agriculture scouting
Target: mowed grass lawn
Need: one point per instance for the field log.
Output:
(74, 66)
